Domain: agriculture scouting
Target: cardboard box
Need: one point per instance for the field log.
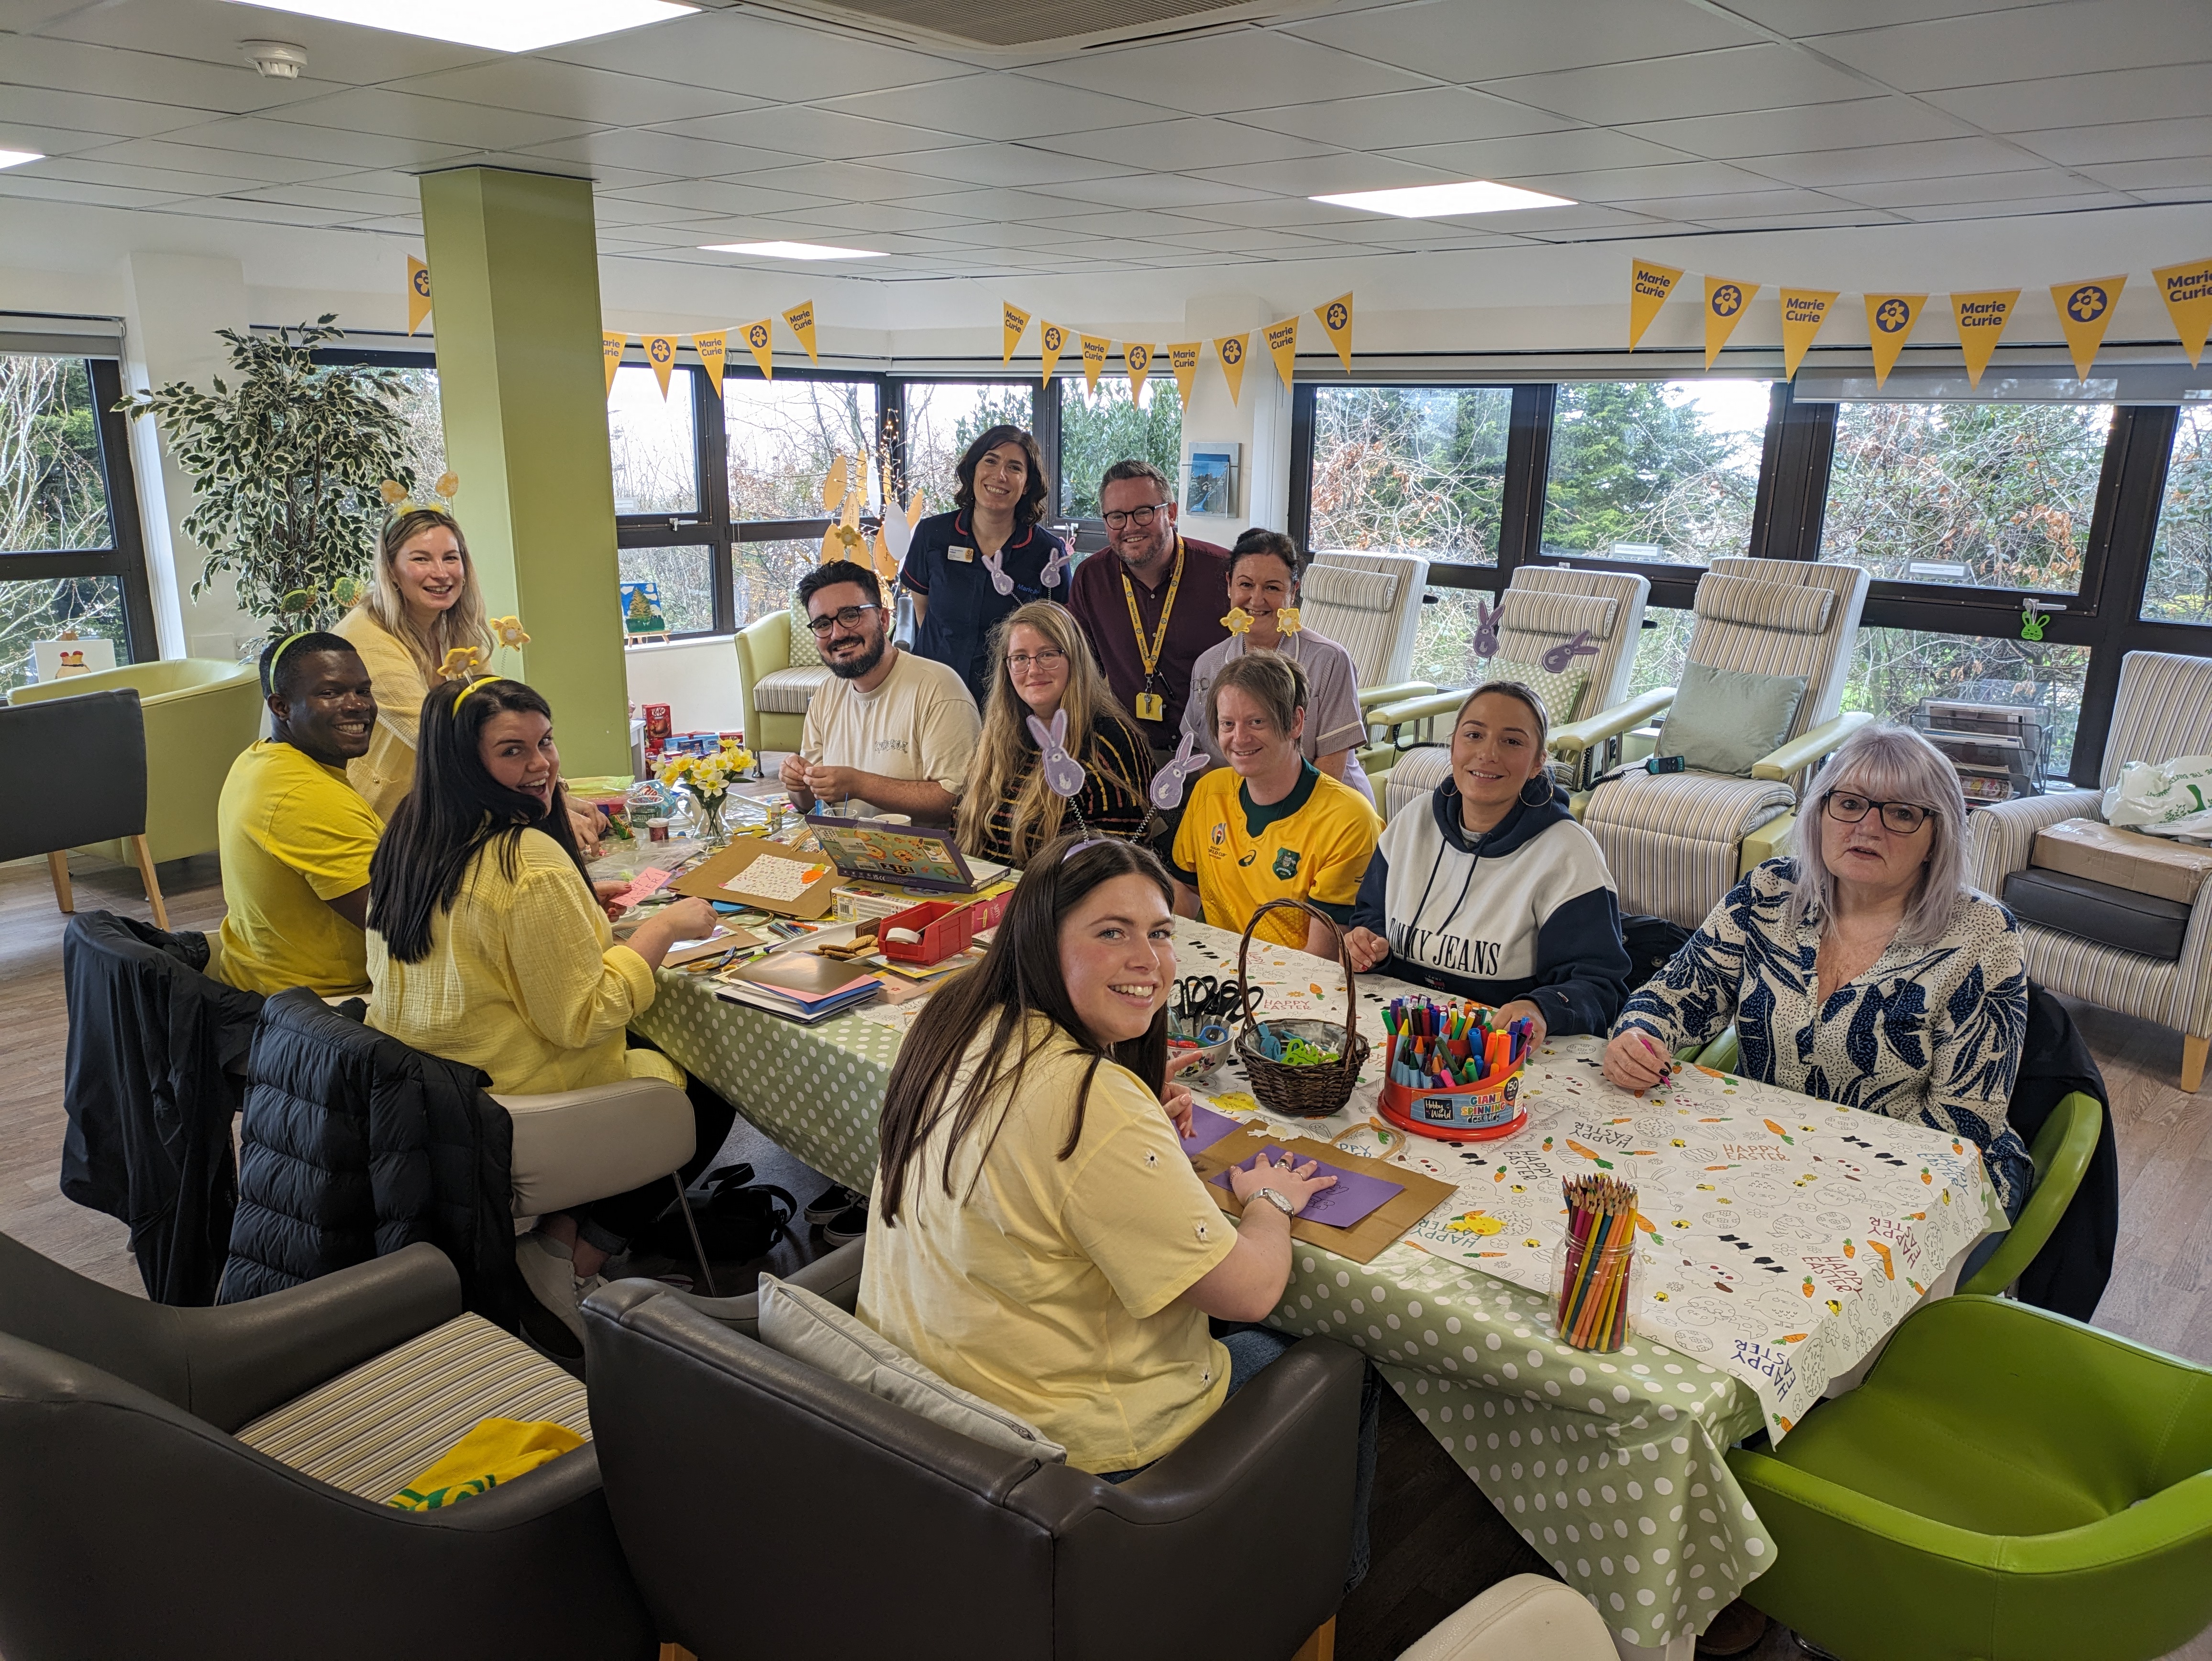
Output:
(2126, 859)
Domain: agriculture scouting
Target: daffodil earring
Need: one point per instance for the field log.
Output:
(1286, 619)
(1238, 622)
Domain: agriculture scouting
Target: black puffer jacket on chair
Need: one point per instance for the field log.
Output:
(352, 1146)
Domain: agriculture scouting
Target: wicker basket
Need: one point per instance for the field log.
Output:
(1303, 1092)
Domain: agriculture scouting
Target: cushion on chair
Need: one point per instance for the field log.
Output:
(1415, 777)
(809, 1328)
(1724, 721)
(2098, 911)
(1355, 609)
(1671, 839)
(1551, 617)
(806, 651)
(1756, 603)
(788, 691)
(1524, 1617)
(1558, 693)
(370, 1430)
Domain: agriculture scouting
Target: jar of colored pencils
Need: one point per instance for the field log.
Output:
(1593, 1269)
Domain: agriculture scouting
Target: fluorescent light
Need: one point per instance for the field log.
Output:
(1437, 201)
(498, 25)
(17, 158)
(791, 250)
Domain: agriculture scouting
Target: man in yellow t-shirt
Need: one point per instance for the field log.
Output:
(1270, 825)
(295, 837)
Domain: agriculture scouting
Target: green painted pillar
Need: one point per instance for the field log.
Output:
(515, 266)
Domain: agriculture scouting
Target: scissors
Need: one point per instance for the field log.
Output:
(1200, 997)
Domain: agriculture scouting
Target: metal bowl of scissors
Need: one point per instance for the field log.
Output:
(1200, 1012)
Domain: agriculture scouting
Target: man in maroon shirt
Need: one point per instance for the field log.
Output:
(1154, 607)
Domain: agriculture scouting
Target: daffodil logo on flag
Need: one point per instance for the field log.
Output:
(661, 352)
(1054, 338)
(1728, 300)
(756, 337)
(1338, 314)
(1233, 352)
(2087, 303)
(1891, 315)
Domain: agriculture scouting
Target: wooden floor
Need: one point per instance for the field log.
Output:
(1437, 1542)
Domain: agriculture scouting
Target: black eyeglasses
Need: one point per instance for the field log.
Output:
(1046, 658)
(1140, 517)
(1847, 808)
(845, 616)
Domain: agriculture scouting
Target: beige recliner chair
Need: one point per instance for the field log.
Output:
(1524, 1617)
(779, 671)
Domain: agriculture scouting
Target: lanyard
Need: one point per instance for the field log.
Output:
(1150, 654)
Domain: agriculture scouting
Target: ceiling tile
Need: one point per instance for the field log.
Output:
(1006, 164)
(1011, 236)
(1185, 144)
(1326, 175)
(1130, 223)
(1633, 183)
(163, 182)
(73, 66)
(1836, 216)
(2173, 172)
(744, 53)
(1240, 69)
(2038, 182)
(1753, 133)
(354, 204)
(1511, 159)
(206, 159)
(715, 196)
(1010, 203)
(2122, 141)
(1481, 40)
(671, 154)
(825, 135)
(880, 217)
(1154, 189)
(2186, 193)
(1743, 204)
(2071, 39)
(209, 31)
(258, 134)
(1933, 159)
(1550, 224)
(1695, 83)
(1283, 212)
(51, 141)
(846, 181)
(86, 112)
(2082, 100)
(2023, 208)
(1801, 18)
(601, 96)
(372, 109)
(999, 105)
(26, 182)
(1393, 120)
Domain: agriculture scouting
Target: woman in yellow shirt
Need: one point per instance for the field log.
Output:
(489, 946)
(1037, 1234)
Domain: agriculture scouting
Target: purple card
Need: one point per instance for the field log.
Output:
(1207, 1128)
(1355, 1196)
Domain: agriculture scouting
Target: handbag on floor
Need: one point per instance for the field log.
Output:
(739, 1220)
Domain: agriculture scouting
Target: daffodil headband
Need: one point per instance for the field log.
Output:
(482, 680)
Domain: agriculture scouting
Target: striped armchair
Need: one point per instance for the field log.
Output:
(1370, 605)
(2163, 710)
(1543, 607)
(1677, 842)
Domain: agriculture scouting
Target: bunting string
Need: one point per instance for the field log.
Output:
(1140, 358)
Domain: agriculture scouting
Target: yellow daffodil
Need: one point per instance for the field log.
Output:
(1238, 621)
(461, 661)
(508, 632)
(1286, 619)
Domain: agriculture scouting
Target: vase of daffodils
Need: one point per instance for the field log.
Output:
(707, 781)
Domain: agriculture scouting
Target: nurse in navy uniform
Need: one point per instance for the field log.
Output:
(970, 568)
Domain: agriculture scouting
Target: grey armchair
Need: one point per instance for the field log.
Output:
(102, 802)
(207, 1484)
(883, 1534)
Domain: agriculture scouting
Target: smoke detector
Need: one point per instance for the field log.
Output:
(278, 60)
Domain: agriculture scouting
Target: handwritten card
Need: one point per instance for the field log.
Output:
(771, 877)
(648, 883)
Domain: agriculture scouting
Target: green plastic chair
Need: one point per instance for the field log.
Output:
(2006, 1485)
(2063, 1150)
(1721, 1055)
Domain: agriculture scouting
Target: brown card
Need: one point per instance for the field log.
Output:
(722, 878)
(1367, 1239)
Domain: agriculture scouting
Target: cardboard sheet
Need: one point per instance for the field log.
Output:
(1365, 1240)
(722, 879)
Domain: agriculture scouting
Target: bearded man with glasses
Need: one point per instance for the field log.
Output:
(890, 732)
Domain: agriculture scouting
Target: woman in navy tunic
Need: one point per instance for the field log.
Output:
(970, 568)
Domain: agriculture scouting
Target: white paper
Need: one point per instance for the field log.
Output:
(771, 877)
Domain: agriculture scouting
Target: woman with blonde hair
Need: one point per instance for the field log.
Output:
(423, 602)
(1043, 668)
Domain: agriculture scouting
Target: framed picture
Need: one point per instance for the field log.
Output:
(640, 609)
(1212, 479)
(57, 660)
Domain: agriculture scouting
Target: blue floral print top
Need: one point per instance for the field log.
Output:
(1930, 1034)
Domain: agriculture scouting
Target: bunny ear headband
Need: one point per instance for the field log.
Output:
(440, 497)
(1165, 791)
(1063, 774)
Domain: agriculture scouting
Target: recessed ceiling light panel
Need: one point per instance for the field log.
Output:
(791, 250)
(497, 25)
(1443, 201)
(17, 158)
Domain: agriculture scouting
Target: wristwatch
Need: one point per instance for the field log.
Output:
(1276, 1199)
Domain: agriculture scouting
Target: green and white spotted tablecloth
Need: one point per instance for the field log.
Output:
(1782, 1239)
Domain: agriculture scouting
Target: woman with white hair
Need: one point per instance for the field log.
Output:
(1862, 969)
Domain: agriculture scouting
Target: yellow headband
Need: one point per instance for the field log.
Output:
(278, 656)
(462, 698)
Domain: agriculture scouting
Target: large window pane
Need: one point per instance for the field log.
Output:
(784, 435)
(943, 417)
(1894, 671)
(51, 494)
(1411, 469)
(1985, 495)
(1662, 649)
(42, 609)
(1651, 469)
(1097, 430)
(425, 439)
(686, 580)
(767, 574)
(2180, 586)
(656, 459)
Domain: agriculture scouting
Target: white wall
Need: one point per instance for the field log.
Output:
(697, 679)
(1258, 420)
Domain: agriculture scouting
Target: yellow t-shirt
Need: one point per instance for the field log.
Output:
(293, 835)
(522, 979)
(1051, 1289)
(1312, 845)
(386, 773)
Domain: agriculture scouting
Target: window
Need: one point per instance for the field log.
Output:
(655, 450)
(943, 417)
(2180, 586)
(783, 436)
(1984, 495)
(52, 493)
(1894, 671)
(1664, 471)
(426, 425)
(1662, 649)
(1098, 429)
(767, 575)
(685, 576)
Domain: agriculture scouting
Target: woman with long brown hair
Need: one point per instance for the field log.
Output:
(1045, 670)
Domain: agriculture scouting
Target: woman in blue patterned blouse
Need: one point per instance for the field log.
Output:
(1862, 969)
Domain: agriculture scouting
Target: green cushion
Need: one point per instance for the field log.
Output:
(805, 654)
(1559, 692)
(1725, 720)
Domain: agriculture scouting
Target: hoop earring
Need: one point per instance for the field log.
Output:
(1543, 781)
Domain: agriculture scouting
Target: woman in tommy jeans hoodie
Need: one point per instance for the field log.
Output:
(1489, 890)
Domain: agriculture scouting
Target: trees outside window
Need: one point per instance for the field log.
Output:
(1652, 470)
(1098, 429)
(944, 417)
(53, 498)
(2180, 586)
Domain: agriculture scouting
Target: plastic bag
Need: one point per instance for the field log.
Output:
(2164, 799)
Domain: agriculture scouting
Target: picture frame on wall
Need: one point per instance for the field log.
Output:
(58, 660)
(1214, 481)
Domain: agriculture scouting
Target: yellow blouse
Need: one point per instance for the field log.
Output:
(522, 979)
(386, 773)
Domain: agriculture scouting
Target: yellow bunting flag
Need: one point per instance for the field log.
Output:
(1336, 318)
(418, 293)
(1981, 318)
(801, 319)
(1183, 357)
(1095, 348)
(1282, 342)
(2187, 290)
(1230, 350)
(1649, 285)
(762, 345)
(1015, 321)
(2085, 311)
(1052, 341)
(1139, 361)
(713, 349)
(1890, 317)
(612, 346)
(660, 352)
(1726, 301)
(1804, 311)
